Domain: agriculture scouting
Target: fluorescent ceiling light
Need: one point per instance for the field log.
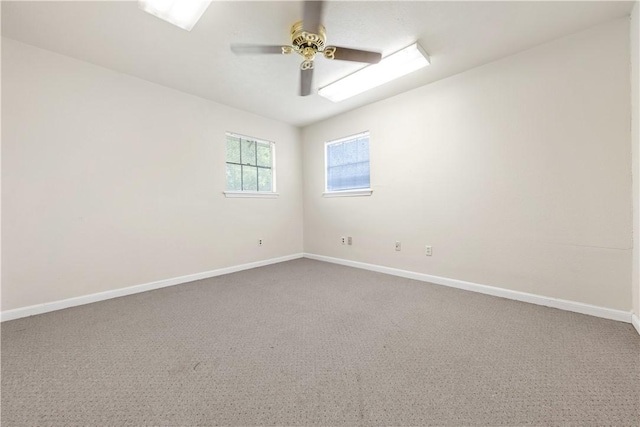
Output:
(182, 13)
(398, 64)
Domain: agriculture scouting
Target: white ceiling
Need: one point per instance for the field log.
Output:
(457, 35)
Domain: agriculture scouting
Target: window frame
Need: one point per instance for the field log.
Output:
(249, 193)
(351, 192)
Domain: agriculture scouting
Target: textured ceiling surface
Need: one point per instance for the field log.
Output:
(457, 35)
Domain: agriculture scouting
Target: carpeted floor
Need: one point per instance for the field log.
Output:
(310, 343)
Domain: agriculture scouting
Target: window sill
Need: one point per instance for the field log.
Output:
(348, 193)
(251, 194)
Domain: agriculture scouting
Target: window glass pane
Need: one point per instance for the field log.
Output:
(234, 177)
(350, 152)
(363, 149)
(352, 179)
(264, 154)
(249, 178)
(249, 164)
(264, 180)
(335, 155)
(348, 164)
(334, 178)
(233, 149)
(337, 178)
(248, 152)
(362, 172)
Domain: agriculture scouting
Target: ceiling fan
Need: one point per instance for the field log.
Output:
(308, 39)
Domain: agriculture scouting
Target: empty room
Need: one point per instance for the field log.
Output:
(330, 213)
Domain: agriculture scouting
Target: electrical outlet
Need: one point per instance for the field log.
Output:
(260, 242)
(349, 241)
(398, 246)
(344, 240)
(427, 250)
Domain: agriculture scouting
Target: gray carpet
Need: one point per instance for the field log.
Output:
(310, 343)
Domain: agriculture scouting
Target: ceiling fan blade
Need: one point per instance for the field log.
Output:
(312, 15)
(346, 54)
(306, 76)
(253, 49)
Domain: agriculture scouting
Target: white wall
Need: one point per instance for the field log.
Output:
(518, 174)
(110, 181)
(635, 131)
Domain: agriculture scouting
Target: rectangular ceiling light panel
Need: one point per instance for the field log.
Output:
(391, 67)
(182, 13)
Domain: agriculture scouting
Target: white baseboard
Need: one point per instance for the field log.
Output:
(101, 296)
(635, 322)
(578, 307)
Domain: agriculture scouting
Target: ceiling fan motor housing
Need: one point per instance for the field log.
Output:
(305, 43)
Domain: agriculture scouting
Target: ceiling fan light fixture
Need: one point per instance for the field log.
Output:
(181, 13)
(391, 67)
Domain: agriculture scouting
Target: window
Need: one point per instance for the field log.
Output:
(347, 166)
(250, 167)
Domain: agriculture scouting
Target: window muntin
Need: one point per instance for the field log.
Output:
(347, 163)
(250, 164)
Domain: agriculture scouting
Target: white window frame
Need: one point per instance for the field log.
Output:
(346, 193)
(252, 194)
